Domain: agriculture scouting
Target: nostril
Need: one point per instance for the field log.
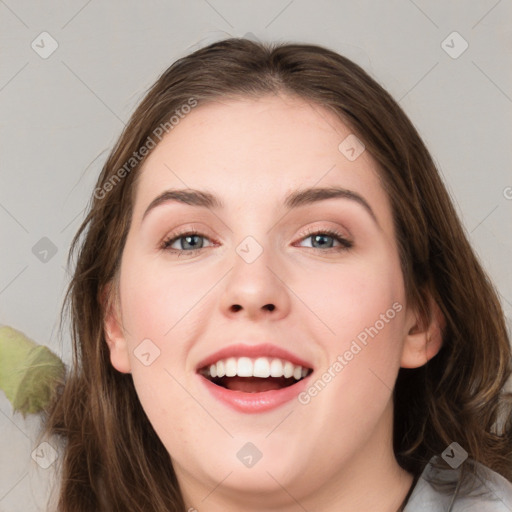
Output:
(237, 307)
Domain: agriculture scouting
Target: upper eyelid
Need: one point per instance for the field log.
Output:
(190, 228)
(316, 230)
(310, 231)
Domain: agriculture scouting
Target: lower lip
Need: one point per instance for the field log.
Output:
(255, 402)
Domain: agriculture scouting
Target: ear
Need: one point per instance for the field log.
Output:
(424, 338)
(114, 332)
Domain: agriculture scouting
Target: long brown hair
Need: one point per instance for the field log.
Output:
(456, 396)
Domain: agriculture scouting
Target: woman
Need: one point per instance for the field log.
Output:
(275, 306)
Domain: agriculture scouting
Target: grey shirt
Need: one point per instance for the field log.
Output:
(476, 489)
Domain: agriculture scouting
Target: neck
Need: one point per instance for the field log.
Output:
(370, 480)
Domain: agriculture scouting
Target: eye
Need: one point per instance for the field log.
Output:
(189, 241)
(325, 238)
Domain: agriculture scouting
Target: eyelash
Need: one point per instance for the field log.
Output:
(344, 243)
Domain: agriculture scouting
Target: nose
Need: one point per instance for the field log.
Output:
(256, 290)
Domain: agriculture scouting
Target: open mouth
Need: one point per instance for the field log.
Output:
(257, 375)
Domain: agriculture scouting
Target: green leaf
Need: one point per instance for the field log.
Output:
(29, 373)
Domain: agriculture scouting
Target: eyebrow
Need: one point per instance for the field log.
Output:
(295, 199)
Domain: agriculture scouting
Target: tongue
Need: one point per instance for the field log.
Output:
(255, 384)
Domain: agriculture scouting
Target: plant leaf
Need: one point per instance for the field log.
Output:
(29, 373)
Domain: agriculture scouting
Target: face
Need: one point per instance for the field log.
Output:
(297, 297)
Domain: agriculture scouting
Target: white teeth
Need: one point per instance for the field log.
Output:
(288, 369)
(276, 368)
(262, 367)
(230, 367)
(245, 367)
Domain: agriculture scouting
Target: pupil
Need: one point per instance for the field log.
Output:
(321, 237)
(188, 238)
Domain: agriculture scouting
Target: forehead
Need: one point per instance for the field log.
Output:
(255, 151)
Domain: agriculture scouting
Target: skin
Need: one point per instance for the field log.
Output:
(335, 453)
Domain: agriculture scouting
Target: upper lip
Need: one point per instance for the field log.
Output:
(253, 351)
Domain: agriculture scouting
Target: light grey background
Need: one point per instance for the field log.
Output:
(60, 116)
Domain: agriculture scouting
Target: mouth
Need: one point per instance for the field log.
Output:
(254, 378)
(254, 375)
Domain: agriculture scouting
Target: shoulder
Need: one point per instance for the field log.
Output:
(470, 487)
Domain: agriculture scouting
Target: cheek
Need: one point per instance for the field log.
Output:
(163, 395)
(155, 297)
(154, 307)
(155, 304)
(349, 298)
(361, 307)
